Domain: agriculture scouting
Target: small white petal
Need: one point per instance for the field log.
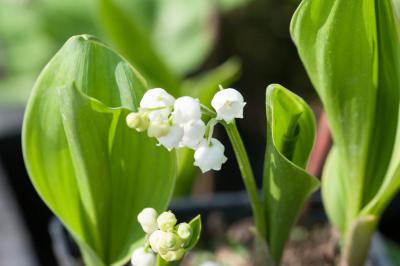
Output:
(211, 156)
(142, 258)
(173, 137)
(194, 132)
(186, 109)
(148, 220)
(156, 98)
(229, 104)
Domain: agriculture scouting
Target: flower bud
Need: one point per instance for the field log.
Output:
(138, 121)
(154, 240)
(229, 104)
(169, 241)
(173, 138)
(166, 221)
(184, 231)
(194, 132)
(210, 156)
(148, 220)
(173, 255)
(142, 258)
(158, 128)
(186, 109)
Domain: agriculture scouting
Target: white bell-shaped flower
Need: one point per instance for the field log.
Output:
(172, 138)
(148, 220)
(157, 98)
(210, 156)
(229, 104)
(194, 132)
(186, 109)
(142, 258)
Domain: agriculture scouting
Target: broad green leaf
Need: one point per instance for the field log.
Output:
(342, 64)
(290, 138)
(334, 191)
(181, 32)
(94, 172)
(133, 43)
(351, 52)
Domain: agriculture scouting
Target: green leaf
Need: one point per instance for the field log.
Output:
(355, 70)
(181, 32)
(290, 138)
(94, 172)
(357, 245)
(133, 43)
(205, 85)
(195, 224)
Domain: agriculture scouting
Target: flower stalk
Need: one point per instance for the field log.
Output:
(247, 175)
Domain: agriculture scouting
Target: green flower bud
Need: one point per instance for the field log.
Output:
(173, 255)
(169, 241)
(166, 221)
(184, 231)
(138, 121)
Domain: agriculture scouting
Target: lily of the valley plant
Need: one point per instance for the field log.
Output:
(177, 123)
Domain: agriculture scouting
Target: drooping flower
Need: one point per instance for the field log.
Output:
(229, 104)
(186, 109)
(141, 257)
(148, 220)
(210, 155)
(158, 103)
(172, 138)
(193, 133)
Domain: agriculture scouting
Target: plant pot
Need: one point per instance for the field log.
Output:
(226, 207)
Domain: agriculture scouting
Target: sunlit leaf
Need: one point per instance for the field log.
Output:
(351, 51)
(94, 172)
(290, 138)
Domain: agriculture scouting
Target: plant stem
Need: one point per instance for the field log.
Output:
(247, 175)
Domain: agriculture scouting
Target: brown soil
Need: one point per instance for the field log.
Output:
(316, 247)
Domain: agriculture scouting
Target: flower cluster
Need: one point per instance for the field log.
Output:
(177, 123)
(164, 237)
